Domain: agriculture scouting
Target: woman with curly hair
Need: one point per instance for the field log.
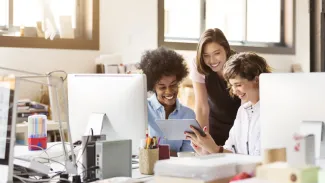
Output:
(165, 69)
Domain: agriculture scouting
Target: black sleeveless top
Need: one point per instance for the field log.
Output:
(223, 108)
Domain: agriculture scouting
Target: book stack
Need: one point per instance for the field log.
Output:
(26, 108)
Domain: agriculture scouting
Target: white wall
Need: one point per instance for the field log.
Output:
(128, 27)
(129, 30)
(302, 35)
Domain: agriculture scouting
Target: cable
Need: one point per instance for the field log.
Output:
(57, 174)
(58, 143)
(90, 168)
(59, 71)
(83, 151)
(53, 161)
(19, 178)
(63, 154)
(33, 180)
(44, 151)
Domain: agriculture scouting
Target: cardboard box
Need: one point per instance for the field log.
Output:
(282, 172)
(274, 155)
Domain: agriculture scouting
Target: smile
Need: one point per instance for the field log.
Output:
(242, 95)
(215, 65)
(170, 97)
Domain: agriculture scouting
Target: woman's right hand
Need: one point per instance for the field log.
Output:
(206, 143)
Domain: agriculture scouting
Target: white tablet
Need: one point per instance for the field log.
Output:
(174, 129)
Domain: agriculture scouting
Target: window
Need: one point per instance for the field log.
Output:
(63, 24)
(265, 26)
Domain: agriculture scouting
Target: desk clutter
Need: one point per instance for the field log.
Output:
(217, 168)
(150, 152)
(276, 167)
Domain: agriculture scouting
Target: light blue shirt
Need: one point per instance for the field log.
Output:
(157, 111)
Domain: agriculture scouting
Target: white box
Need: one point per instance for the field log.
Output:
(302, 151)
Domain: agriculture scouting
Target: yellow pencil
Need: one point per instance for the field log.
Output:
(148, 142)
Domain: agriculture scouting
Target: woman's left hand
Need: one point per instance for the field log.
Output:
(199, 150)
(206, 143)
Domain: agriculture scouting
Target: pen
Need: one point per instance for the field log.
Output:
(148, 142)
(154, 142)
(247, 147)
(158, 141)
(234, 147)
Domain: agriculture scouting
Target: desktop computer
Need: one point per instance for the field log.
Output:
(292, 103)
(122, 97)
(7, 130)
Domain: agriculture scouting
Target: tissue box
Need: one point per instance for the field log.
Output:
(302, 151)
(282, 172)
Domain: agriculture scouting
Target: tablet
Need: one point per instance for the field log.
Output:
(174, 129)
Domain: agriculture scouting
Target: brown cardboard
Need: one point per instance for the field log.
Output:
(147, 160)
(100, 68)
(274, 155)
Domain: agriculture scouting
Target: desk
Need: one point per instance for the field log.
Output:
(22, 130)
(56, 150)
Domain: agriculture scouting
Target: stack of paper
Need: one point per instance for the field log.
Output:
(252, 180)
(207, 168)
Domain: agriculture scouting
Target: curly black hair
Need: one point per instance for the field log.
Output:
(162, 62)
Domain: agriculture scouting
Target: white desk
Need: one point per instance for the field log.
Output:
(56, 150)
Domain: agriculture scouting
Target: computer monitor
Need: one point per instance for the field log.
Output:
(123, 97)
(290, 101)
(7, 130)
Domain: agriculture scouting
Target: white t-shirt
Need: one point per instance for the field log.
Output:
(244, 136)
(194, 74)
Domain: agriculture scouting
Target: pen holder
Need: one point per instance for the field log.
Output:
(37, 132)
(164, 152)
(147, 160)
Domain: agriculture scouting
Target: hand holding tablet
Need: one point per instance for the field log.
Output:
(174, 129)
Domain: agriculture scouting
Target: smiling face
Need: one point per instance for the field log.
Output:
(167, 89)
(214, 56)
(246, 90)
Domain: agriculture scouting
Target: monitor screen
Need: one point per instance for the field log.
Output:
(6, 102)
